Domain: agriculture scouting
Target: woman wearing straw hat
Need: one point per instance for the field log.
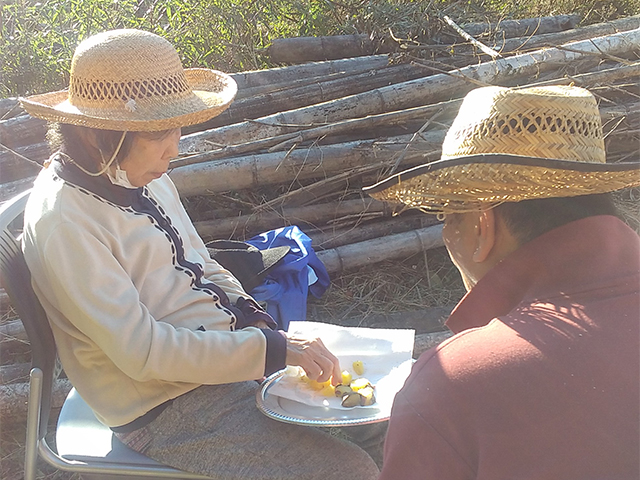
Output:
(159, 339)
(541, 380)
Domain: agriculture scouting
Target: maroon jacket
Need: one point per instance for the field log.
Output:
(542, 380)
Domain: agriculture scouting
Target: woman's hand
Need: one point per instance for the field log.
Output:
(311, 354)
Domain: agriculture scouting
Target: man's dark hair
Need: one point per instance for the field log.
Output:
(529, 219)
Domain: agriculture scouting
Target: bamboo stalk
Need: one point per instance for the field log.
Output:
(13, 331)
(268, 220)
(401, 245)
(304, 164)
(9, 108)
(11, 189)
(22, 130)
(312, 49)
(322, 90)
(14, 373)
(14, 399)
(574, 35)
(361, 228)
(524, 27)
(415, 92)
(426, 341)
(23, 161)
(386, 119)
(283, 75)
(351, 125)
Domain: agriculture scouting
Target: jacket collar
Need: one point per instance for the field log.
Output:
(552, 264)
(101, 185)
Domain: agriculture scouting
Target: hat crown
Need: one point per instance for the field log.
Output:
(113, 68)
(558, 122)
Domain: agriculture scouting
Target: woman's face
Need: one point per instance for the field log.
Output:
(149, 156)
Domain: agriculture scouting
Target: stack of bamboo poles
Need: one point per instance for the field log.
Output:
(300, 141)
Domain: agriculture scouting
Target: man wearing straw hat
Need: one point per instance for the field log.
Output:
(161, 341)
(541, 380)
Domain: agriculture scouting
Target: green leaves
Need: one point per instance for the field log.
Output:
(38, 37)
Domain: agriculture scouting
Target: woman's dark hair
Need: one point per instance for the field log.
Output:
(71, 140)
(529, 219)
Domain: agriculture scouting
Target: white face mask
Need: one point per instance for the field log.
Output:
(121, 179)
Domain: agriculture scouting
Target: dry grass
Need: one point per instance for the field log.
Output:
(423, 280)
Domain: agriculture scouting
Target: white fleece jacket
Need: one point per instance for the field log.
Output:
(135, 302)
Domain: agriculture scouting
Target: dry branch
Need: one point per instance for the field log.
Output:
(20, 162)
(492, 53)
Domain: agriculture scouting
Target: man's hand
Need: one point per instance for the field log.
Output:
(311, 354)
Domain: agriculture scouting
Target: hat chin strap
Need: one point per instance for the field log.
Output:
(106, 166)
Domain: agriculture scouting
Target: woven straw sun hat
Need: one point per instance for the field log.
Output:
(508, 145)
(133, 80)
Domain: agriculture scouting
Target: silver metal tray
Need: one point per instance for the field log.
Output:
(290, 411)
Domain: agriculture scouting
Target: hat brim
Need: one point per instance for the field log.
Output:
(212, 93)
(465, 183)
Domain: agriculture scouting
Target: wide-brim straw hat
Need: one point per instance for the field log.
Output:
(509, 145)
(133, 80)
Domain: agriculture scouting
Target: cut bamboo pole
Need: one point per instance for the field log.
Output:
(322, 90)
(10, 107)
(283, 75)
(314, 162)
(361, 228)
(349, 126)
(11, 189)
(313, 49)
(22, 130)
(401, 245)
(14, 373)
(535, 42)
(413, 93)
(368, 123)
(14, 399)
(13, 331)
(524, 27)
(426, 341)
(23, 161)
(311, 215)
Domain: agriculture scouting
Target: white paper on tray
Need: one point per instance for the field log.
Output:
(385, 353)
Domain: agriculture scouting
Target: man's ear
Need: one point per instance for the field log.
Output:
(486, 237)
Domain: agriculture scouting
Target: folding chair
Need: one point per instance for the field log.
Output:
(83, 444)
